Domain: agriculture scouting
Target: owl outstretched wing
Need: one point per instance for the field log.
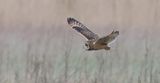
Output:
(107, 39)
(79, 27)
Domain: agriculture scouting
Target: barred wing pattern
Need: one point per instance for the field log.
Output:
(81, 29)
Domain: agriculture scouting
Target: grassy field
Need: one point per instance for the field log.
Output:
(37, 45)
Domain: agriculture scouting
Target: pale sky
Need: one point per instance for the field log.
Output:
(97, 12)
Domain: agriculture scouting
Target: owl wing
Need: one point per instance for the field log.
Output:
(107, 39)
(79, 27)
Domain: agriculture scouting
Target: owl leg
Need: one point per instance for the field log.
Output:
(107, 48)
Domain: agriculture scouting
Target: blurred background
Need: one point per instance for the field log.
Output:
(38, 46)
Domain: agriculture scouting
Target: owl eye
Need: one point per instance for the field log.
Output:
(87, 46)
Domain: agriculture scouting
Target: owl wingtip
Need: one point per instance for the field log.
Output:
(70, 20)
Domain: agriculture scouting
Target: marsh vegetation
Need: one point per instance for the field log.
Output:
(37, 45)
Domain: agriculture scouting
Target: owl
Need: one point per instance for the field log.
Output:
(94, 42)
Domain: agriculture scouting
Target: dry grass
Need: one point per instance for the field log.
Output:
(36, 45)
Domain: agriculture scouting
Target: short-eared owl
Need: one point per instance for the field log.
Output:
(94, 41)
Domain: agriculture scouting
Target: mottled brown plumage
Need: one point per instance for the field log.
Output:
(94, 42)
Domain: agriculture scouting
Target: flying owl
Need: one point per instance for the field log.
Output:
(94, 42)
